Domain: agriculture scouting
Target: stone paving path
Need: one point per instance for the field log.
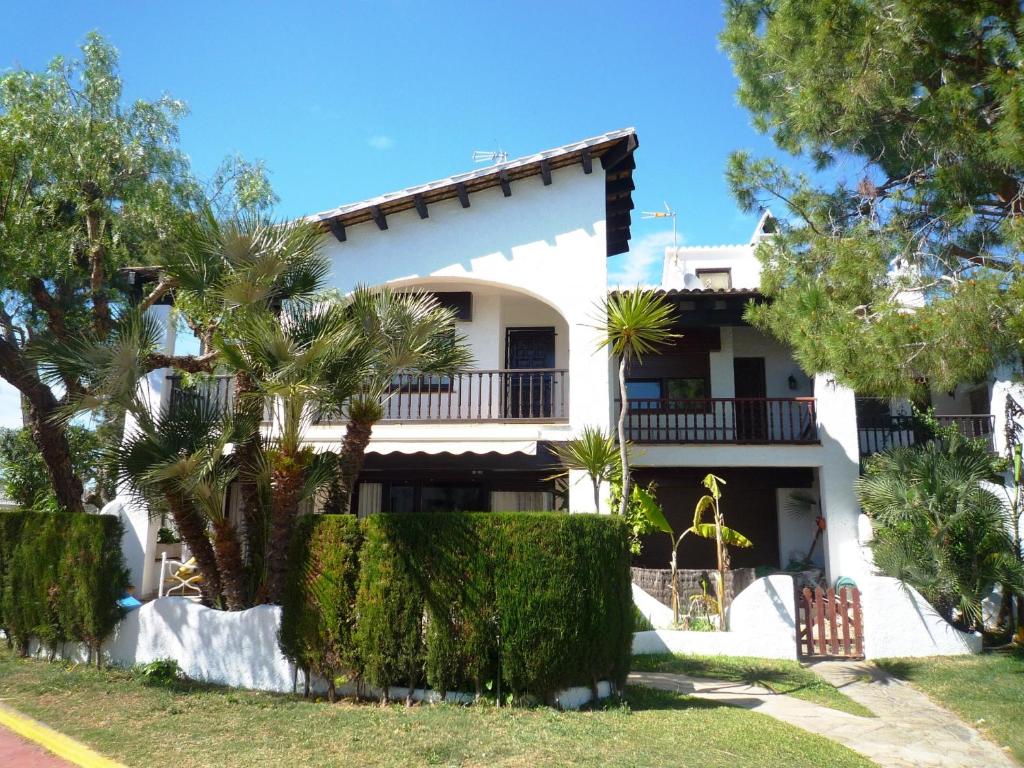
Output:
(908, 732)
(15, 752)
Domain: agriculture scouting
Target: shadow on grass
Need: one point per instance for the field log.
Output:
(643, 699)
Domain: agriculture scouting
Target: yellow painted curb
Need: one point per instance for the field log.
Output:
(61, 745)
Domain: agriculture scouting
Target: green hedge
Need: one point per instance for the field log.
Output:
(61, 576)
(318, 610)
(540, 600)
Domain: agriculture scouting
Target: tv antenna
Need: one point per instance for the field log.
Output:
(668, 213)
(497, 156)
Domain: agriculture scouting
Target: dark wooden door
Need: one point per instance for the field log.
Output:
(528, 395)
(751, 405)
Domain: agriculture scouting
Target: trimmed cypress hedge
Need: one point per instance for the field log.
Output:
(541, 600)
(61, 575)
(318, 610)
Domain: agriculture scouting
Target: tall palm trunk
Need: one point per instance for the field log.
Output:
(353, 454)
(253, 512)
(228, 553)
(286, 487)
(623, 408)
(192, 528)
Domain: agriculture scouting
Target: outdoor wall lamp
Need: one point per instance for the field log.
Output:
(792, 381)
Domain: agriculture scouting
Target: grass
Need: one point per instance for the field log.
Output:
(140, 725)
(986, 690)
(778, 676)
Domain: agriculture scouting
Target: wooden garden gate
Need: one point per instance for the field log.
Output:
(829, 623)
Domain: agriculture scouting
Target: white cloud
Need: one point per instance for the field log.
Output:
(10, 406)
(642, 263)
(381, 142)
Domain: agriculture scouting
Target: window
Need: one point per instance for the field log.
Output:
(686, 389)
(402, 498)
(460, 302)
(643, 393)
(715, 279)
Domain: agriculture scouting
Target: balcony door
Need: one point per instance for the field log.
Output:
(528, 394)
(751, 414)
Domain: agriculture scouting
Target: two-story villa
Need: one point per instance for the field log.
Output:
(519, 250)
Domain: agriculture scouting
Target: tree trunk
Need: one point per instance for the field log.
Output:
(247, 454)
(51, 438)
(623, 408)
(353, 453)
(286, 486)
(228, 552)
(192, 528)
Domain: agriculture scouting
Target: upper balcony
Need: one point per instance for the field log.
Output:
(522, 395)
(730, 420)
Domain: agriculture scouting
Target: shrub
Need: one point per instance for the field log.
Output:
(449, 595)
(162, 673)
(318, 610)
(389, 606)
(62, 574)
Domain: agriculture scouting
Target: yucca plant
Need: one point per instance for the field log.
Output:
(939, 526)
(636, 323)
(595, 453)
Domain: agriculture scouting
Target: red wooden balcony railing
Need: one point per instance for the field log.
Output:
(761, 420)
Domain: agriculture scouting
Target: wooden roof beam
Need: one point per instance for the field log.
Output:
(337, 229)
(506, 188)
(585, 158)
(379, 217)
(460, 188)
(545, 171)
(619, 152)
(421, 206)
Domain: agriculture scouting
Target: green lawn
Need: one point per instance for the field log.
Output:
(780, 676)
(986, 690)
(201, 726)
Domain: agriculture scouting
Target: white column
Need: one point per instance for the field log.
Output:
(723, 376)
(1003, 385)
(836, 414)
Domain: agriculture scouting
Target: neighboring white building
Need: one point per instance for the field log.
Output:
(520, 249)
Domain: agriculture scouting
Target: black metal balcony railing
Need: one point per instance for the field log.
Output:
(879, 433)
(540, 394)
(723, 420)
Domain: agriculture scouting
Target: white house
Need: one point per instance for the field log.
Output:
(519, 250)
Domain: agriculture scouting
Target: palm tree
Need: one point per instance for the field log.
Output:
(244, 263)
(289, 356)
(635, 323)
(399, 332)
(938, 527)
(594, 453)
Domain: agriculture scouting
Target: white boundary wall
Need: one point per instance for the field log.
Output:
(761, 624)
(238, 649)
(898, 622)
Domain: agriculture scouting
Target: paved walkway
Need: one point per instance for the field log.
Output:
(15, 752)
(908, 732)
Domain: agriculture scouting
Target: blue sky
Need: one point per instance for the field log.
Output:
(347, 100)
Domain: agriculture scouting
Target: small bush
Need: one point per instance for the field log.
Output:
(162, 672)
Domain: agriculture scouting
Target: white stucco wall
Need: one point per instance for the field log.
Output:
(898, 622)
(796, 531)
(545, 242)
(761, 624)
(840, 468)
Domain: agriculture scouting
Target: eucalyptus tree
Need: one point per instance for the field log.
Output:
(398, 333)
(635, 323)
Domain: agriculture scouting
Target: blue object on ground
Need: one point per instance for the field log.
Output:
(129, 602)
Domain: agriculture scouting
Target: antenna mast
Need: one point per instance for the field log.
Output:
(668, 213)
(497, 156)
